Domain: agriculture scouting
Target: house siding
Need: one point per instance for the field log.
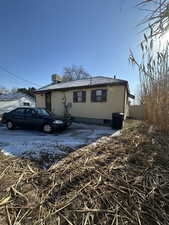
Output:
(40, 100)
(96, 110)
(57, 99)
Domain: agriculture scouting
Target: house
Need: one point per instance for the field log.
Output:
(11, 101)
(90, 100)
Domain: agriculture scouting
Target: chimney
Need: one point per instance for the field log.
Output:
(56, 78)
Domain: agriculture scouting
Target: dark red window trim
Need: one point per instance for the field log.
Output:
(75, 97)
(101, 98)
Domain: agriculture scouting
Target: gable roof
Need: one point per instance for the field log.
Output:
(85, 83)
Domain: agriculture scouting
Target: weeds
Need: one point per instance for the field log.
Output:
(120, 181)
(154, 83)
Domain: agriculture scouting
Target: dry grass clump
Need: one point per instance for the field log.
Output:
(154, 81)
(155, 93)
(120, 181)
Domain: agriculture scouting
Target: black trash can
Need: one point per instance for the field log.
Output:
(117, 120)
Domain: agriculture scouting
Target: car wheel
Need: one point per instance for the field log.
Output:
(47, 128)
(10, 125)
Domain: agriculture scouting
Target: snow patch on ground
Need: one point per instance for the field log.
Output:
(36, 145)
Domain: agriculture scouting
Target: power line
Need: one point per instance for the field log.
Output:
(17, 77)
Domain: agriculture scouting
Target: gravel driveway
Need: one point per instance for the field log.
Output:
(49, 148)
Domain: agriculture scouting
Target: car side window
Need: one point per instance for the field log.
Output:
(34, 112)
(28, 112)
(19, 112)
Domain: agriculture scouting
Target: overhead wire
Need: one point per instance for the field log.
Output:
(18, 77)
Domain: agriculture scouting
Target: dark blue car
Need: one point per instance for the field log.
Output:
(34, 118)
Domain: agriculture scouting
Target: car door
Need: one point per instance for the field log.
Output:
(32, 120)
(18, 117)
(28, 118)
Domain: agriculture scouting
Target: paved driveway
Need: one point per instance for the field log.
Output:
(47, 148)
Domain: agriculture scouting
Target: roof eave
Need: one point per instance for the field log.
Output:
(124, 83)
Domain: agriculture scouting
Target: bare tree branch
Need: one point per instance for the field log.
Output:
(75, 73)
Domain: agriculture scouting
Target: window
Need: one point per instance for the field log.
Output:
(99, 95)
(42, 112)
(28, 112)
(19, 111)
(79, 96)
(26, 104)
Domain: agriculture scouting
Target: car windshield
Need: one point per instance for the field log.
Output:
(42, 112)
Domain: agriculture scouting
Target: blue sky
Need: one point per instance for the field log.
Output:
(39, 37)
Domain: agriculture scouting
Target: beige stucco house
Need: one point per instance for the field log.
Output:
(89, 100)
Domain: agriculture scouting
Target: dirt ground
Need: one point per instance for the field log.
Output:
(116, 180)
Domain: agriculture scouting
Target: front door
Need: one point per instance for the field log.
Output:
(48, 101)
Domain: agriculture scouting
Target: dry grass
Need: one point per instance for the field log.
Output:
(116, 181)
(154, 82)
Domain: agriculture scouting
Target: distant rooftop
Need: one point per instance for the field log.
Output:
(11, 96)
(89, 82)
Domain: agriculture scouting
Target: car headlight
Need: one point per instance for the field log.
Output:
(57, 122)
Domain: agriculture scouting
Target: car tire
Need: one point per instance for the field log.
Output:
(10, 125)
(47, 128)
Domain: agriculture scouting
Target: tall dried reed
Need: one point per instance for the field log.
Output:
(154, 82)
